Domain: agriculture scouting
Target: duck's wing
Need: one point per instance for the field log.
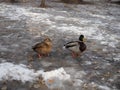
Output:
(39, 45)
(71, 44)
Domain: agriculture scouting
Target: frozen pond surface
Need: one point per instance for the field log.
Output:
(22, 26)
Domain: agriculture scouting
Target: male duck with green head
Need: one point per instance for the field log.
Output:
(76, 47)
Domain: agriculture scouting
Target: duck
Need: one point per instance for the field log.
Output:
(76, 47)
(43, 48)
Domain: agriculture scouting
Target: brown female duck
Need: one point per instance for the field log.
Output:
(43, 48)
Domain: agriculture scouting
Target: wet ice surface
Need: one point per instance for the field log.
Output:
(97, 69)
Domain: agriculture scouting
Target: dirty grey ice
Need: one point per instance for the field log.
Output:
(22, 25)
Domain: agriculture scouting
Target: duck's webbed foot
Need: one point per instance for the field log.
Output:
(39, 55)
(46, 55)
(75, 55)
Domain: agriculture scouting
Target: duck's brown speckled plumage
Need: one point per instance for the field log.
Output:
(44, 47)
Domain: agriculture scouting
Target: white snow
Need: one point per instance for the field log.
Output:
(57, 76)
(46, 64)
(59, 17)
(55, 73)
(10, 71)
(104, 87)
(101, 87)
(78, 82)
(53, 79)
(88, 62)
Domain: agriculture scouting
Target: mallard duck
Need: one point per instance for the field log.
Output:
(76, 47)
(43, 48)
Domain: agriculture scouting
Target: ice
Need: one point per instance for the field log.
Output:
(99, 24)
(45, 18)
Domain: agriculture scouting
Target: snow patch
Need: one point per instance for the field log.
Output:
(56, 78)
(78, 82)
(88, 62)
(10, 71)
(101, 87)
(55, 73)
(59, 17)
(104, 87)
(46, 64)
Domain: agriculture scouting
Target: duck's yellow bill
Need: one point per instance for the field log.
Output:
(84, 39)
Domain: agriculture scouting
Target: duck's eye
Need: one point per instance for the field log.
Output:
(47, 39)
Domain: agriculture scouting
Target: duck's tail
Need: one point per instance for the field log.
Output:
(64, 47)
(33, 48)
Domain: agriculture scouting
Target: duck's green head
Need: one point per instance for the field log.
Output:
(81, 38)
